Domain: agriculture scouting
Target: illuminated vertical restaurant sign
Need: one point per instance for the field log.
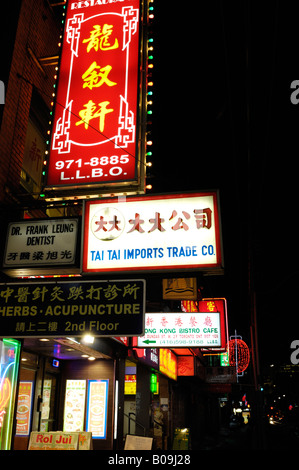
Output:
(9, 365)
(95, 131)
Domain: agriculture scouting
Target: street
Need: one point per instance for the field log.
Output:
(245, 438)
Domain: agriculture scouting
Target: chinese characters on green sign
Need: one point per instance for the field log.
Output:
(101, 308)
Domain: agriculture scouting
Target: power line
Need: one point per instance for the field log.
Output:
(85, 122)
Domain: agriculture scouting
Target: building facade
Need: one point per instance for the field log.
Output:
(110, 387)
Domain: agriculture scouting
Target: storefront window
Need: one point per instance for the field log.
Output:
(48, 415)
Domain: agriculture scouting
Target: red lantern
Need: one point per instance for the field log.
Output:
(239, 354)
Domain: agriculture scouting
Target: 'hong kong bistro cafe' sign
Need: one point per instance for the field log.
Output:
(101, 308)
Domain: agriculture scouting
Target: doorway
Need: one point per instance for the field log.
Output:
(49, 403)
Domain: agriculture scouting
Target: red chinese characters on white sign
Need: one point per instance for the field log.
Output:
(202, 219)
(175, 330)
(152, 232)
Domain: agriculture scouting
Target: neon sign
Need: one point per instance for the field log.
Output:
(9, 364)
(5, 394)
(168, 363)
(96, 121)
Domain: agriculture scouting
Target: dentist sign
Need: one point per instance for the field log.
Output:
(160, 232)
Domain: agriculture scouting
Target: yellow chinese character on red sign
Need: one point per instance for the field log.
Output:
(96, 76)
(91, 112)
(100, 38)
(211, 306)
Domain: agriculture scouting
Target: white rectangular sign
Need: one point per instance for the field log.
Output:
(178, 231)
(174, 330)
(36, 243)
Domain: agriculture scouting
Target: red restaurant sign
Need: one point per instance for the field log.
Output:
(211, 305)
(95, 128)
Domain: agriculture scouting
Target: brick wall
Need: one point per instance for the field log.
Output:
(37, 36)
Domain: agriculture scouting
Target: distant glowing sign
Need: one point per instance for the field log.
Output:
(152, 232)
(168, 363)
(130, 384)
(186, 366)
(95, 132)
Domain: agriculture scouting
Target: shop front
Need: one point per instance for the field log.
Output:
(68, 387)
(70, 373)
(149, 375)
(105, 389)
(62, 385)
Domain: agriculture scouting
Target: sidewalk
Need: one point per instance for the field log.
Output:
(227, 439)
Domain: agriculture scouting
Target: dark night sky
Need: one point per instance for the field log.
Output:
(223, 120)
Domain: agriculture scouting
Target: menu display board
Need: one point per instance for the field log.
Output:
(97, 408)
(24, 408)
(46, 404)
(138, 443)
(74, 405)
